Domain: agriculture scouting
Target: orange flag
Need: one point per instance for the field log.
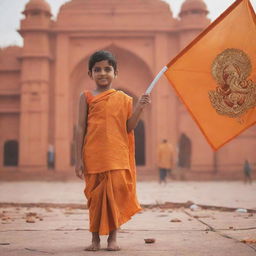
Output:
(215, 75)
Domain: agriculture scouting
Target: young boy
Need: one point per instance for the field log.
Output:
(105, 151)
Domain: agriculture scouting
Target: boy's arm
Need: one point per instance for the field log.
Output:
(134, 119)
(80, 133)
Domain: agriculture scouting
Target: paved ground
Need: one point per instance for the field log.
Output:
(227, 194)
(62, 229)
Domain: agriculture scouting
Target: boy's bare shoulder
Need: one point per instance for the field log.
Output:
(83, 96)
(123, 94)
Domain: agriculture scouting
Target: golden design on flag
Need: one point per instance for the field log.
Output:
(235, 94)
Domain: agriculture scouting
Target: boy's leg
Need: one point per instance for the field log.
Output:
(112, 243)
(95, 246)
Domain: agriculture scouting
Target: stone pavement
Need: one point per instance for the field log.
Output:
(62, 229)
(227, 194)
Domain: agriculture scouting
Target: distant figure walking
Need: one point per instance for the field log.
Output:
(247, 172)
(165, 160)
(50, 157)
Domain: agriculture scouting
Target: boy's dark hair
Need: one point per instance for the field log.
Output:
(100, 56)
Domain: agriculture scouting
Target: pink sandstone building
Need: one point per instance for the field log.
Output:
(40, 83)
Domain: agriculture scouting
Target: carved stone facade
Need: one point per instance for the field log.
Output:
(41, 82)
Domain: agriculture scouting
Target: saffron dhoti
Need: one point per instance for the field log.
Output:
(108, 155)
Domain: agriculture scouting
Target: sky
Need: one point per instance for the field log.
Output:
(10, 15)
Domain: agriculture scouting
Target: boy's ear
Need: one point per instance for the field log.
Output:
(90, 74)
(116, 73)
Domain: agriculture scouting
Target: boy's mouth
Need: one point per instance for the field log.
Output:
(103, 79)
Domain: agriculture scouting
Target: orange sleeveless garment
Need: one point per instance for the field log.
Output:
(108, 155)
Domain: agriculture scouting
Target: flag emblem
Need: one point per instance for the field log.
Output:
(235, 93)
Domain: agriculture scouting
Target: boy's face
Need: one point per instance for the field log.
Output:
(102, 73)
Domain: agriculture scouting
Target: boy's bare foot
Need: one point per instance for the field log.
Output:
(93, 247)
(112, 244)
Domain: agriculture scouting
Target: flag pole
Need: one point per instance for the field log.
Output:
(151, 86)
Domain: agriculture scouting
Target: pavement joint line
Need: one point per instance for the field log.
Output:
(219, 233)
(236, 240)
(192, 216)
(166, 205)
(34, 250)
(236, 229)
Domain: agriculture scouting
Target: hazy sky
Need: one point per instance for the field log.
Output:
(10, 15)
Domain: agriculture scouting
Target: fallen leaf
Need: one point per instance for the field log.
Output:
(249, 241)
(149, 240)
(30, 220)
(175, 220)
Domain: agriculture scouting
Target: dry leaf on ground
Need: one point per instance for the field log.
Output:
(30, 220)
(175, 220)
(249, 241)
(149, 240)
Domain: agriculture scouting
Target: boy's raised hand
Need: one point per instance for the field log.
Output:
(144, 100)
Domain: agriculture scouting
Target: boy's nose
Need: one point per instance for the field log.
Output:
(102, 72)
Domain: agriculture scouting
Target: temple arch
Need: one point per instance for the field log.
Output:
(185, 151)
(11, 152)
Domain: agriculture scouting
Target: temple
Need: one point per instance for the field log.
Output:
(41, 82)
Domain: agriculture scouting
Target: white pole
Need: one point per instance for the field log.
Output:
(151, 86)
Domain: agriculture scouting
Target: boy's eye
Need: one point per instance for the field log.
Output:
(107, 69)
(97, 69)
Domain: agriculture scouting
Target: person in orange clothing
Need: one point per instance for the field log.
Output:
(105, 151)
(165, 160)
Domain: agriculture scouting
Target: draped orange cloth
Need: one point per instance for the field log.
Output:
(215, 75)
(108, 155)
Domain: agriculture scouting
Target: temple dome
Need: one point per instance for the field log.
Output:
(37, 5)
(193, 6)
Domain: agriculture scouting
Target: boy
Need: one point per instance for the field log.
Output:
(105, 151)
